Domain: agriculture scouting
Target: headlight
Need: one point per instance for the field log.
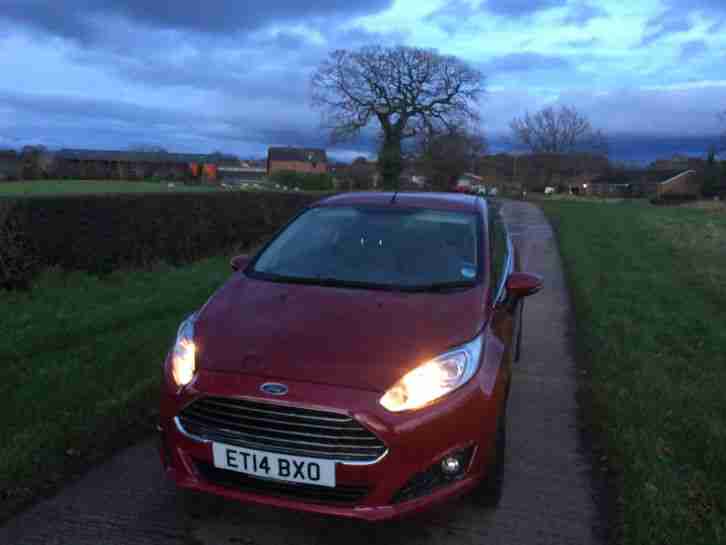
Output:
(434, 379)
(183, 360)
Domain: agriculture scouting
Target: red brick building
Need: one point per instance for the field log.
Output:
(312, 160)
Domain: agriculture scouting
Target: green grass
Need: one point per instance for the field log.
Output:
(81, 363)
(649, 287)
(71, 187)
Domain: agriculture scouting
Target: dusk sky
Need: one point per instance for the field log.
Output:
(233, 75)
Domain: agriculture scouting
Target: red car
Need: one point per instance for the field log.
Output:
(359, 365)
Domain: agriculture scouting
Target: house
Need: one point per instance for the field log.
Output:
(236, 172)
(11, 165)
(687, 184)
(310, 160)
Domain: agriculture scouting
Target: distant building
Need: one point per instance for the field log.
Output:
(311, 160)
(137, 165)
(239, 172)
(687, 184)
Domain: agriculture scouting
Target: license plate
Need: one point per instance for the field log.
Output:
(280, 467)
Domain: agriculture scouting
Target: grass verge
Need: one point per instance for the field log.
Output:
(648, 289)
(82, 365)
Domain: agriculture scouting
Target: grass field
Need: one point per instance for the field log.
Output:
(649, 288)
(52, 187)
(81, 364)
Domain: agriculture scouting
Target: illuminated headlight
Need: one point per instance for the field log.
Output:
(434, 379)
(183, 360)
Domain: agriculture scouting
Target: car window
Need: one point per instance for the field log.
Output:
(391, 246)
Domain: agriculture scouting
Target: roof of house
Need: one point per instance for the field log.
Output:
(313, 155)
(141, 156)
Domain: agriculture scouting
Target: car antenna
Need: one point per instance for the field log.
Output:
(393, 199)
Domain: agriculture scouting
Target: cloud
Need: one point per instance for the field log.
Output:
(451, 16)
(683, 111)
(454, 14)
(71, 121)
(524, 62)
(676, 17)
(585, 43)
(582, 13)
(521, 8)
(83, 19)
(665, 25)
(692, 49)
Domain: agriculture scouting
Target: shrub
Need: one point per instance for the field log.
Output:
(100, 233)
(305, 181)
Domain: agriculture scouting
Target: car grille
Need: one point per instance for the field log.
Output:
(282, 429)
(340, 494)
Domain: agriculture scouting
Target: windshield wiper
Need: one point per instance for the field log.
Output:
(440, 287)
(323, 281)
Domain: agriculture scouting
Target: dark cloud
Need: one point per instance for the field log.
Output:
(638, 149)
(276, 68)
(70, 121)
(521, 8)
(524, 62)
(54, 107)
(681, 110)
(83, 19)
(582, 13)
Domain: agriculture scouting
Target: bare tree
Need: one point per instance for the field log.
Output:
(405, 90)
(445, 156)
(557, 130)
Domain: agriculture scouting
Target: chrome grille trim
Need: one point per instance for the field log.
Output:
(285, 429)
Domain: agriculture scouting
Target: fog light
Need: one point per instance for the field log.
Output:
(451, 465)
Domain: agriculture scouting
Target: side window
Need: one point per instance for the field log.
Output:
(498, 250)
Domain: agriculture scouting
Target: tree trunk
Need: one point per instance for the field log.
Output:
(390, 162)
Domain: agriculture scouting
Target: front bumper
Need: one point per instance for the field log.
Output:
(416, 441)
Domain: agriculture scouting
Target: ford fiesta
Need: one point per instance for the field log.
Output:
(358, 365)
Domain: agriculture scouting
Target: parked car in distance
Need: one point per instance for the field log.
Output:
(358, 365)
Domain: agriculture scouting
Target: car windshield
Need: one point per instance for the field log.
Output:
(375, 247)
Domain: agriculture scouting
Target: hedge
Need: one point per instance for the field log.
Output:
(100, 233)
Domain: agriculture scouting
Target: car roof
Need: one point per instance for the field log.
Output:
(431, 201)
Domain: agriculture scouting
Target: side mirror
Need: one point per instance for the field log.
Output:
(239, 262)
(521, 284)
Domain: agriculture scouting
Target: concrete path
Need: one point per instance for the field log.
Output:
(547, 498)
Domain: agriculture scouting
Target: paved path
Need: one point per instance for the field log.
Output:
(547, 497)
